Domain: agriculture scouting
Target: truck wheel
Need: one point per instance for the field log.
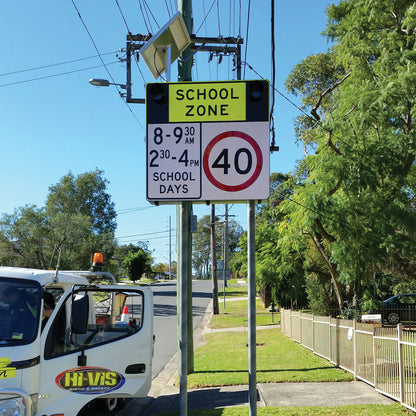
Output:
(109, 404)
(393, 318)
(112, 403)
(121, 404)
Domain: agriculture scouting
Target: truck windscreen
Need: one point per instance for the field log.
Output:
(20, 302)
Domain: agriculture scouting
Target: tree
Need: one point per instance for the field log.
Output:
(124, 249)
(83, 218)
(136, 264)
(25, 238)
(78, 220)
(279, 260)
(354, 197)
(87, 195)
(201, 247)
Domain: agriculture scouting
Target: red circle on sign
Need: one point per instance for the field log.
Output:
(257, 170)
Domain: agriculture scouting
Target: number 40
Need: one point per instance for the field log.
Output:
(222, 161)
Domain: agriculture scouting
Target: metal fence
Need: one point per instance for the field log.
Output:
(384, 357)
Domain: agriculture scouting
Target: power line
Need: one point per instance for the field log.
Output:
(151, 14)
(248, 25)
(129, 32)
(104, 65)
(218, 18)
(55, 75)
(206, 16)
(149, 29)
(92, 40)
(145, 234)
(56, 64)
(239, 19)
(170, 13)
(122, 15)
(129, 210)
(144, 238)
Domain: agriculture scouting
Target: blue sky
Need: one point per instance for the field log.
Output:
(53, 121)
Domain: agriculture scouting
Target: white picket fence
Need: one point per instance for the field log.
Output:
(382, 357)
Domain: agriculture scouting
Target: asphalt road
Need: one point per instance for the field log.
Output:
(165, 317)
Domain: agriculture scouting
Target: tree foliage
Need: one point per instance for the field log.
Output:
(356, 202)
(137, 263)
(78, 220)
(347, 214)
(201, 246)
(85, 195)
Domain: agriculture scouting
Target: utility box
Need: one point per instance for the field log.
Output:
(265, 294)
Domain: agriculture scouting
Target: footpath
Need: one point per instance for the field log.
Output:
(164, 395)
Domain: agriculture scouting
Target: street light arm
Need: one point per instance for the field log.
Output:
(98, 82)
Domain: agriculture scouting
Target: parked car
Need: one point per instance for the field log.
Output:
(399, 308)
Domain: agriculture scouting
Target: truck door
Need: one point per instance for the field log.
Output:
(98, 343)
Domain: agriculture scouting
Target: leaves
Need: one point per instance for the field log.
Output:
(348, 212)
(78, 220)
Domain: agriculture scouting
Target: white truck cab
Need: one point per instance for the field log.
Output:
(96, 344)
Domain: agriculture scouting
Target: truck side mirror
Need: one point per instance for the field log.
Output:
(79, 316)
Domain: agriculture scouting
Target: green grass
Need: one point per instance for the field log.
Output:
(235, 314)
(233, 291)
(348, 410)
(223, 361)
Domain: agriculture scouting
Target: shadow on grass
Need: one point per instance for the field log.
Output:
(279, 370)
(234, 293)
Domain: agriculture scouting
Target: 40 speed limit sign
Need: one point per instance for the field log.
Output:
(235, 161)
(207, 141)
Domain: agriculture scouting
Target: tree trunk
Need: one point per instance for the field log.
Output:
(332, 271)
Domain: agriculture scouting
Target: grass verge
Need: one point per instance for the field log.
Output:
(348, 410)
(223, 361)
(235, 315)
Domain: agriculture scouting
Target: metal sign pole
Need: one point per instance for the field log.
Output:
(251, 308)
(183, 290)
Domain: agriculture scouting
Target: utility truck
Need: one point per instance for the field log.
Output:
(96, 344)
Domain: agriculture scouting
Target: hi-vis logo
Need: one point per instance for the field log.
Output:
(90, 380)
(5, 370)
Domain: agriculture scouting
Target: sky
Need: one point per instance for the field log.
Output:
(52, 121)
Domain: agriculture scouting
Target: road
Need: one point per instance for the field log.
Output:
(165, 317)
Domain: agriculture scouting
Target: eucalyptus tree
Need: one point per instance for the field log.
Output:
(354, 200)
(201, 246)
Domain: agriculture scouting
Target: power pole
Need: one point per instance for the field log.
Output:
(215, 306)
(185, 74)
(186, 363)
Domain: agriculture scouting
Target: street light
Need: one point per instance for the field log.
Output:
(98, 82)
(105, 83)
